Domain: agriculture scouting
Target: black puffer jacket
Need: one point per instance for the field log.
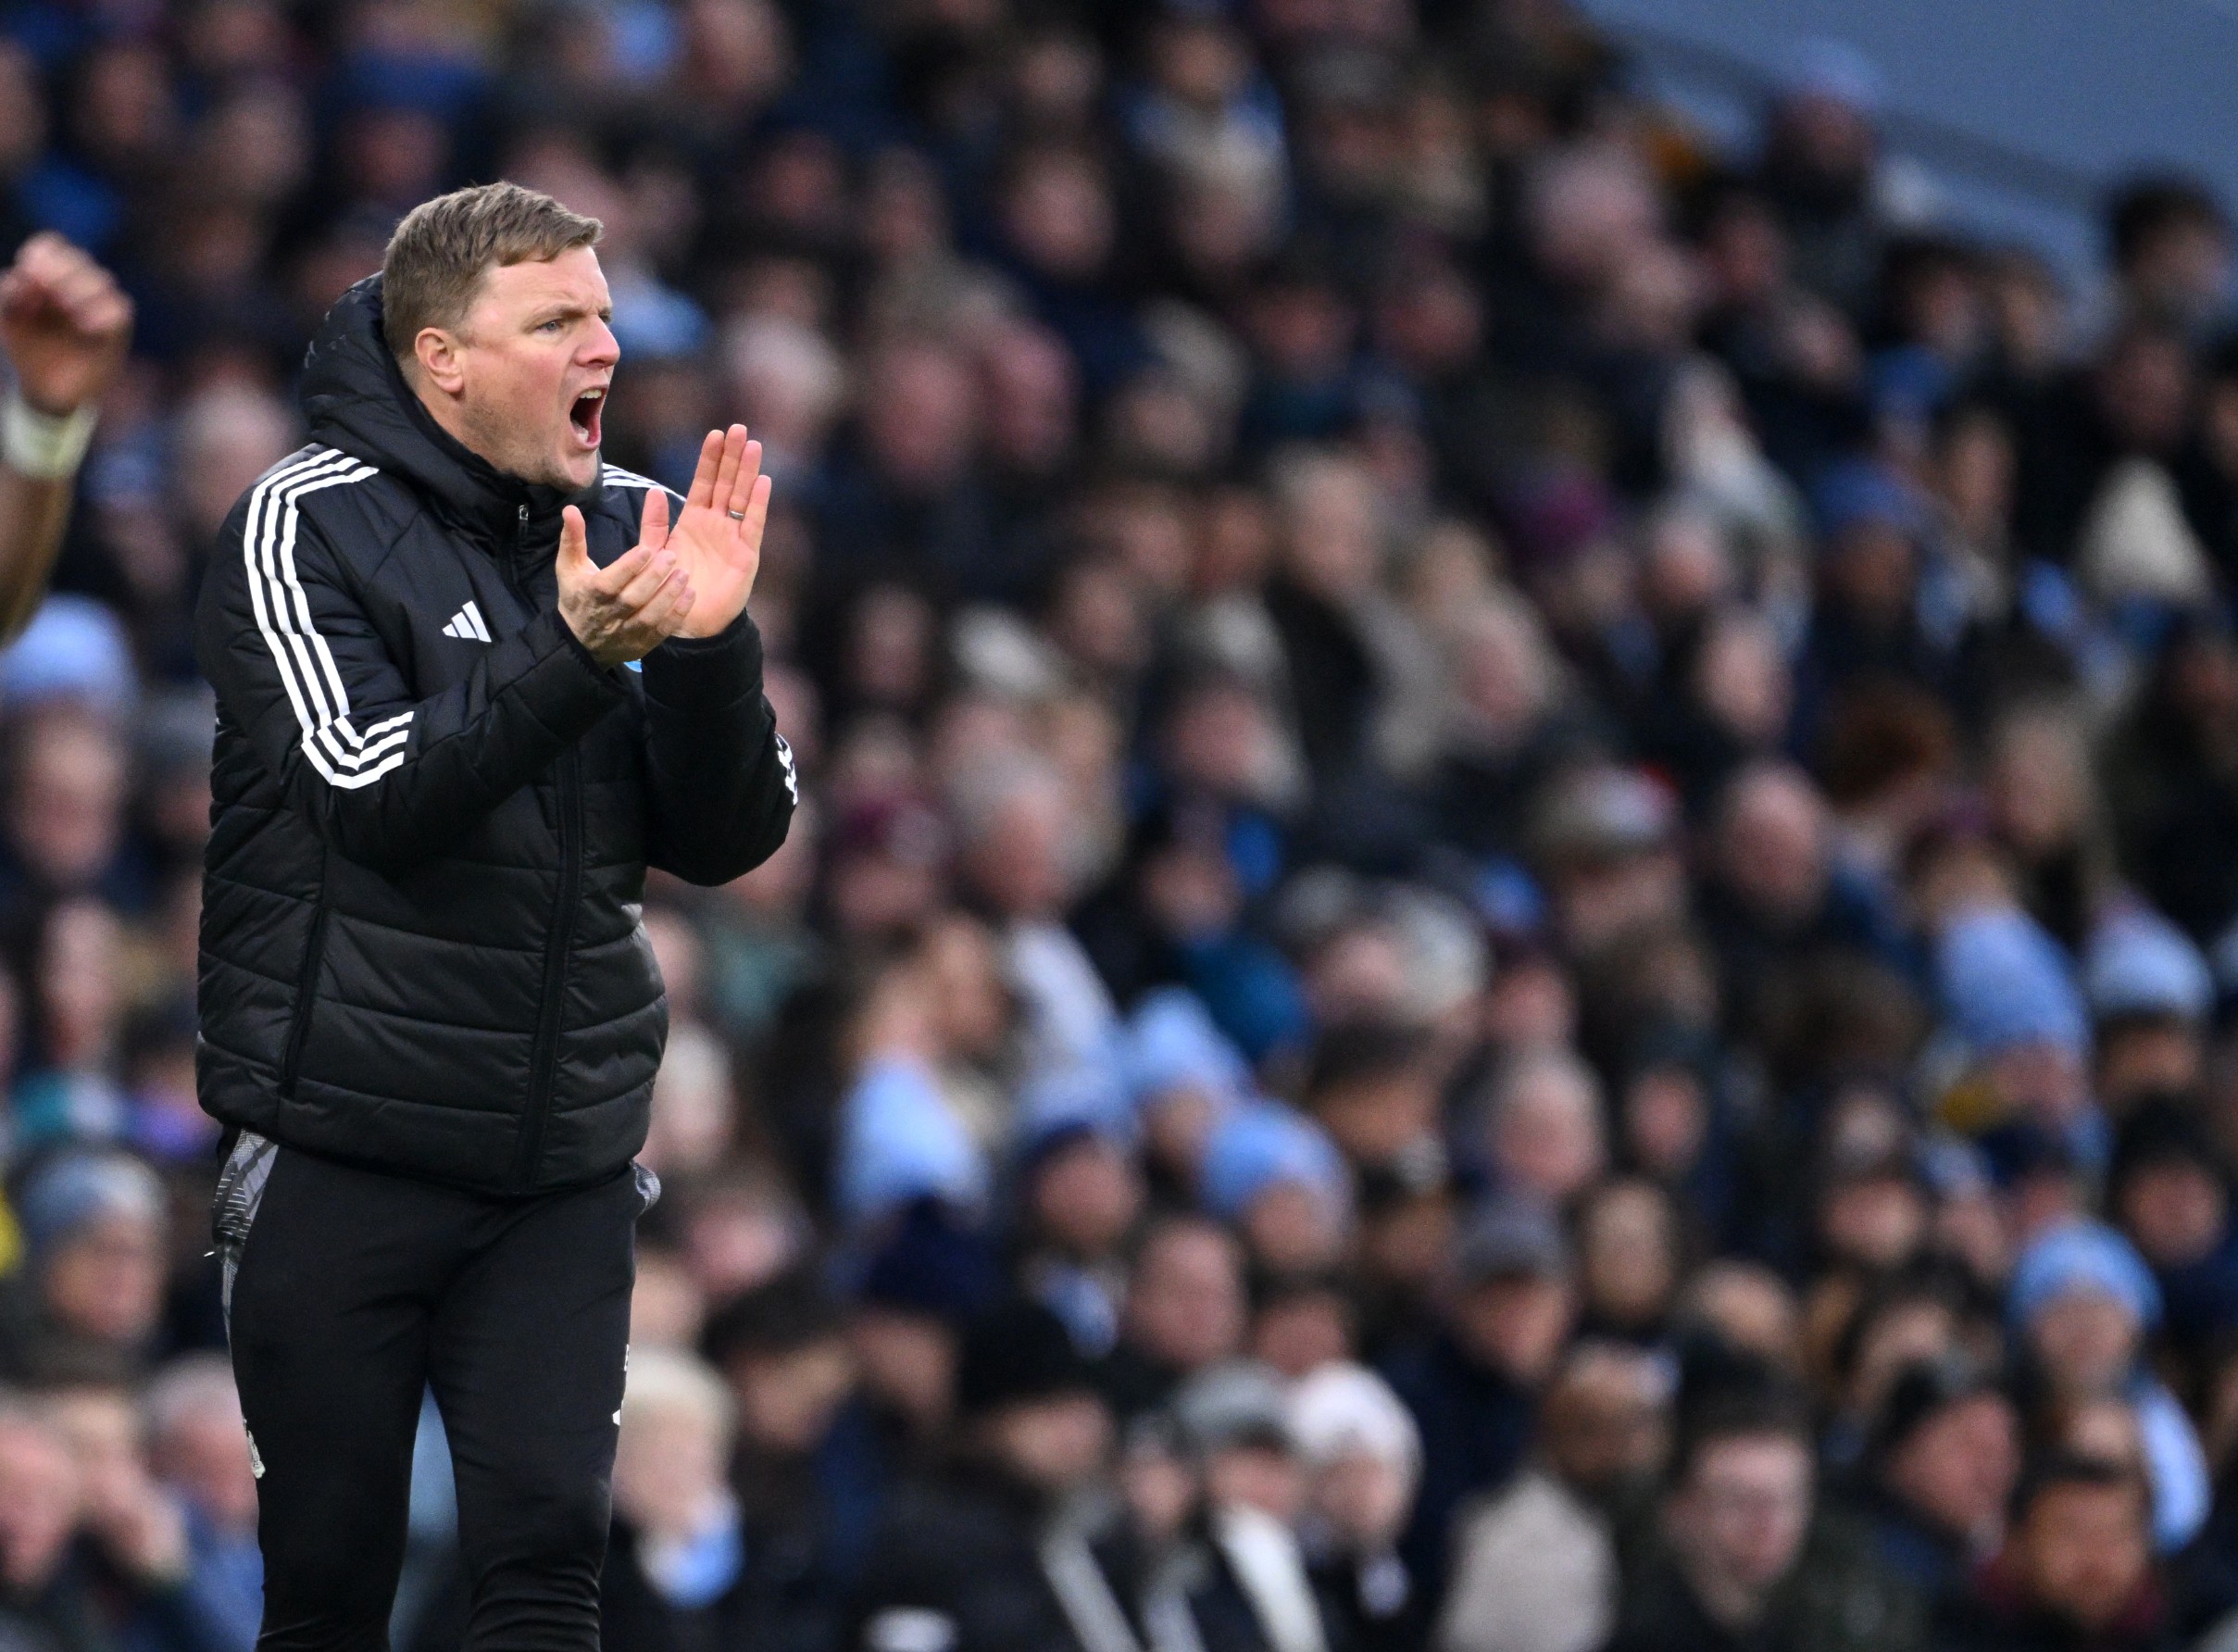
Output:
(433, 811)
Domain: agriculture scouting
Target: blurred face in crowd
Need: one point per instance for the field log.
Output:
(1604, 1424)
(1255, 1474)
(1741, 681)
(1869, 570)
(971, 1002)
(1748, 1307)
(1374, 1117)
(2102, 1428)
(1159, 1485)
(1547, 1137)
(1516, 1324)
(1628, 1245)
(1819, 136)
(102, 1429)
(80, 984)
(907, 1363)
(2183, 270)
(202, 1451)
(1084, 1197)
(1771, 844)
(1293, 1227)
(2145, 390)
(1591, 211)
(1302, 1330)
(1021, 859)
(2176, 1210)
(1958, 1468)
(670, 1462)
(1185, 1302)
(921, 417)
(2086, 1340)
(1058, 215)
(1878, 1218)
(1053, 1445)
(665, 1311)
(1738, 1519)
(1601, 898)
(1503, 676)
(2084, 1550)
(2136, 1056)
(1334, 541)
(1364, 1499)
(39, 1502)
(1219, 739)
(522, 380)
(1666, 1119)
(2040, 783)
(1907, 1331)
(738, 1236)
(68, 807)
(105, 1280)
(787, 1398)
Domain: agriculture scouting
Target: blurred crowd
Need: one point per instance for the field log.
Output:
(1514, 919)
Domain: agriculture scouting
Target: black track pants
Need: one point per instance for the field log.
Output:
(350, 1292)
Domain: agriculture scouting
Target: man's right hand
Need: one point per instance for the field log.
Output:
(624, 611)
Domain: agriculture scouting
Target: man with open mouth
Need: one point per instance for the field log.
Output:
(472, 681)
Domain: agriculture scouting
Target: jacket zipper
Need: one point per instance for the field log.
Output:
(306, 989)
(544, 1061)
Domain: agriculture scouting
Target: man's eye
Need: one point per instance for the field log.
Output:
(550, 326)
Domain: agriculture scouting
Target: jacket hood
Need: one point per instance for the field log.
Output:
(355, 399)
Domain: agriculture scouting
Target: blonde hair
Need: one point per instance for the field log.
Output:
(438, 254)
(666, 1381)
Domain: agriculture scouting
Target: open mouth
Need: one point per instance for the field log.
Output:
(584, 414)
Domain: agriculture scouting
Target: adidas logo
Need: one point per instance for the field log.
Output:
(467, 623)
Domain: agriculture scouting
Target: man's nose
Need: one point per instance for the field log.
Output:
(602, 348)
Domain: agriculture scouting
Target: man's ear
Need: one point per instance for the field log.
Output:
(436, 353)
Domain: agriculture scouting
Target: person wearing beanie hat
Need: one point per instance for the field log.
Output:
(1278, 1177)
(1184, 1075)
(1078, 1192)
(2081, 1303)
(2169, 1193)
(91, 1293)
(1173, 1044)
(2150, 993)
(2005, 982)
(1363, 1457)
(2013, 1010)
(1235, 1416)
(933, 1276)
(999, 1549)
(1473, 1387)
(1941, 1458)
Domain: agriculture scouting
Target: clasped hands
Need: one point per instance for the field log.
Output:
(690, 578)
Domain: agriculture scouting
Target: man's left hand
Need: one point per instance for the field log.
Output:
(65, 324)
(717, 535)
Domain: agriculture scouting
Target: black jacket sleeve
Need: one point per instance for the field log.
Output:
(385, 778)
(720, 782)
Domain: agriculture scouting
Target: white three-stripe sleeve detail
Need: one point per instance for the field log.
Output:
(276, 599)
(250, 532)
